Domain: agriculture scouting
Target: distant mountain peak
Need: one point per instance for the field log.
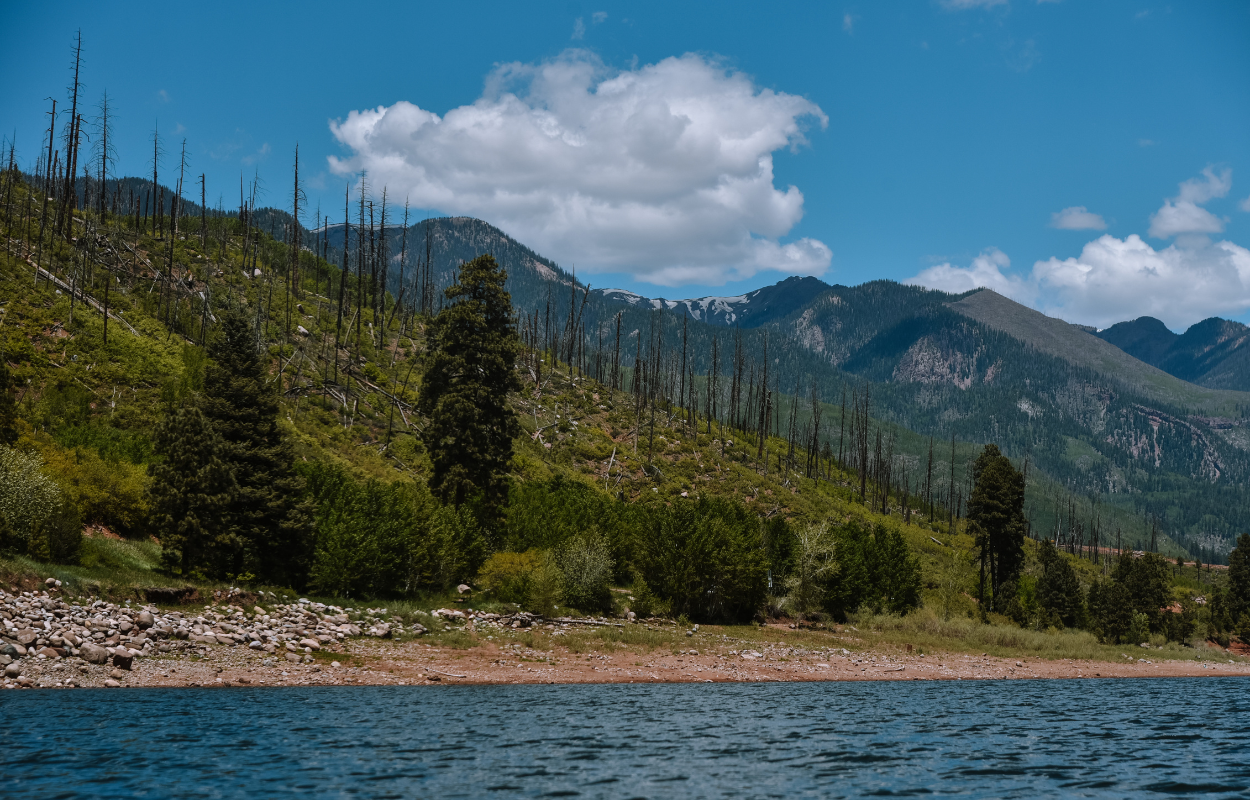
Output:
(749, 310)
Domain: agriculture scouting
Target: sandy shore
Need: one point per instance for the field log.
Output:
(374, 662)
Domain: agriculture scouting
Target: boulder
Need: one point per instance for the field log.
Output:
(122, 659)
(293, 658)
(13, 670)
(145, 620)
(112, 684)
(93, 654)
(50, 582)
(312, 644)
(50, 652)
(9, 650)
(26, 637)
(464, 588)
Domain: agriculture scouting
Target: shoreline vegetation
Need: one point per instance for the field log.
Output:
(196, 409)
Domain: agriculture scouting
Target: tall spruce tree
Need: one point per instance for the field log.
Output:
(1058, 590)
(8, 407)
(469, 371)
(272, 519)
(996, 514)
(1239, 578)
(192, 496)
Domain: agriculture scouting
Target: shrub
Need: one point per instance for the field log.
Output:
(509, 576)
(876, 572)
(36, 519)
(815, 565)
(706, 559)
(586, 569)
(1138, 629)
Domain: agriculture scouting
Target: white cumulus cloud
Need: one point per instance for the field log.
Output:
(986, 271)
(1185, 214)
(1244, 205)
(1118, 279)
(664, 171)
(1077, 218)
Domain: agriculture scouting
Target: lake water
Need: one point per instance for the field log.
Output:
(1092, 738)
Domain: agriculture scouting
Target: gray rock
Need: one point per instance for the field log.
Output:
(8, 650)
(48, 652)
(93, 654)
(293, 658)
(26, 637)
(145, 620)
(464, 588)
(13, 670)
(112, 684)
(312, 644)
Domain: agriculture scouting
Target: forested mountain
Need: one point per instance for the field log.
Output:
(1141, 445)
(1213, 353)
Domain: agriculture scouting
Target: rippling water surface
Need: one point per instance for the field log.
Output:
(1108, 738)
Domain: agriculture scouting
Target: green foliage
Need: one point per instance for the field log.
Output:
(705, 559)
(8, 406)
(193, 496)
(1239, 578)
(508, 577)
(876, 572)
(106, 492)
(243, 410)
(469, 372)
(996, 515)
(1110, 610)
(1138, 629)
(36, 519)
(1148, 583)
(1058, 591)
(815, 566)
(586, 563)
(377, 539)
(545, 514)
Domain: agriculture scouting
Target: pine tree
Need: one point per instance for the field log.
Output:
(193, 491)
(1058, 590)
(1238, 577)
(996, 514)
(469, 371)
(271, 518)
(8, 407)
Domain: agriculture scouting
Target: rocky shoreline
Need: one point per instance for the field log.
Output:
(52, 642)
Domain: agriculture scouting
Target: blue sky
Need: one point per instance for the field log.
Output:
(926, 141)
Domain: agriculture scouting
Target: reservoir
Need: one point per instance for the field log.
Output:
(1075, 738)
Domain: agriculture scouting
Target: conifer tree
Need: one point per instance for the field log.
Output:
(469, 371)
(996, 514)
(1239, 578)
(271, 518)
(192, 494)
(8, 407)
(1058, 590)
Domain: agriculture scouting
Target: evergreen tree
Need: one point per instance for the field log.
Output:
(271, 518)
(8, 407)
(193, 491)
(1239, 578)
(1058, 591)
(996, 516)
(1110, 610)
(469, 371)
(1148, 583)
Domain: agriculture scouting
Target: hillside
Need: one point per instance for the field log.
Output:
(1092, 419)
(1214, 353)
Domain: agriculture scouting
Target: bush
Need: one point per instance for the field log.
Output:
(509, 577)
(36, 519)
(705, 559)
(876, 572)
(586, 569)
(1110, 611)
(1138, 629)
(380, 539)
